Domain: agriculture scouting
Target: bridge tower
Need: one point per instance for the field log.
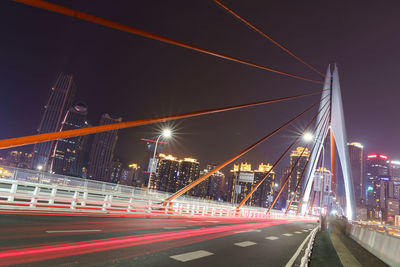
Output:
(338, 139)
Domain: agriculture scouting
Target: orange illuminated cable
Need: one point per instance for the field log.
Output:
(306, 165)
(125, 28)
(255, 187)
(204, 177)
(267, 37)
(38, 138)
(292, 169)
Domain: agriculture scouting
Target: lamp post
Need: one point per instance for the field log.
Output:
(166, 133)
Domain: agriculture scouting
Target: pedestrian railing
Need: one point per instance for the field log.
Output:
(39, 191)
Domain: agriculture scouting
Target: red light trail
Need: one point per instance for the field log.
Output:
(18, 256)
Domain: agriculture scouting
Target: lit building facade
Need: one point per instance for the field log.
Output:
(395, 176)
(166, 176)
(322, 188)
(244, 178)
(189, 171)
(294, 178)
(356, 155)
(67, 156)
(377, 185)
(61, 98)
(18, 159)
(213, 187)
(102, 151)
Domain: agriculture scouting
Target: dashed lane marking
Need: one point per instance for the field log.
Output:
(297, 232)
(287, 234)
(72, 231)
(191, 255)
(245, 244)
(305, 230)
(248, 231)
(272, 238)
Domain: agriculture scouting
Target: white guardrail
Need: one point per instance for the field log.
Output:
(383, 241)
(24, 189)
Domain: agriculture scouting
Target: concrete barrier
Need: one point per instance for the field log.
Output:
(381, 241)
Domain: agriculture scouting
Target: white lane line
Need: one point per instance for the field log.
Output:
(177, 227)
(297, 232)
(212, 221)
(72, 231)
(305, 230)
(248, 231)
(287, 234)
(272, 238)
(296, 254)
(245, 244)
(191, 255)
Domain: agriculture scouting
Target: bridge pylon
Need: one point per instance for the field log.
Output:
(338, 131)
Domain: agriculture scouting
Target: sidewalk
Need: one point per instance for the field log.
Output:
(334, 248)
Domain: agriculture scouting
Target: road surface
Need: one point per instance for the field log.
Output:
(50, 240)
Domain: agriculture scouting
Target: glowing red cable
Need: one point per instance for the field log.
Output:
(118, 26)
(267, 37)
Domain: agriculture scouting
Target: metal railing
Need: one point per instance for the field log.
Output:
(34, 190)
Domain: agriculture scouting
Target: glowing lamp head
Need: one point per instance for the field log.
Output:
(308, 137)
(166, 133)
(40, 167)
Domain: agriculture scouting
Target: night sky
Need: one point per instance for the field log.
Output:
(135, 78)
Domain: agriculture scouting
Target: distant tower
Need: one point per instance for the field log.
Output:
(166, 177)
(61, 99)
(101, 153)
(297, 171)
(67, 155)
(189, 171)
(377, 182)
(356, 165)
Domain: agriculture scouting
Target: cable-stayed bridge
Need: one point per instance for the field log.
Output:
(74, 221)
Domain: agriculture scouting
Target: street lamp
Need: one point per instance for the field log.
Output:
(166, 133)
(308, 137)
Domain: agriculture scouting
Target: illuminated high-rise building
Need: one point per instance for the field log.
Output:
(67, 155)
(356, 155)
(166, 175)
(395, 175)
(189, 171)
(377, 185)
(294, 178)
(322, 188)
(102, 151)
(18, 159)
(244, 178)
(61, 98)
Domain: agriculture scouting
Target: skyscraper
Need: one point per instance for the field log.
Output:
(102, 151)
(356, 155)
(377, 185)
(60, 100)
(213, 187)
(189, 171)
(67, 155)
(243, 180)
(166, 176)
(296, 174)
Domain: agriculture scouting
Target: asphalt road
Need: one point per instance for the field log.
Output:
(43, 240)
